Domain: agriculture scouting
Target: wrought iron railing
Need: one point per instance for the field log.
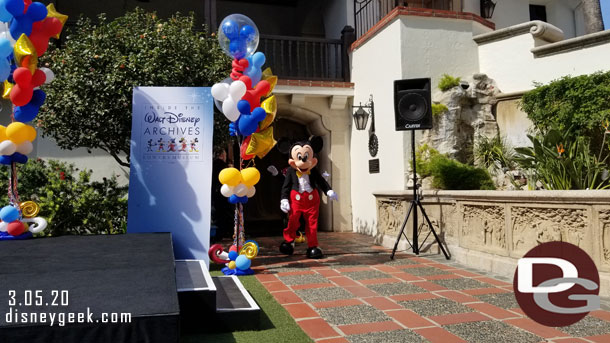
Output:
(367, 13)
(304, 58)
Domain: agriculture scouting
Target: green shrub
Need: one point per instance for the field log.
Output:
(450, 174)
(447, 82)
(574, 105)
(438, 109)
(423, 155)
(561, 162)
(494, 153)
(69, 200)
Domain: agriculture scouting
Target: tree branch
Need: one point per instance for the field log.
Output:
(114, 155)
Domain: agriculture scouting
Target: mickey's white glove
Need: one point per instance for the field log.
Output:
(332, 195)
(272, 170)
(285, 205)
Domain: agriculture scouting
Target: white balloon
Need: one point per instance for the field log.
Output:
(220, 91)
(240, 190)
(49, 74)
(237, 90)
(3, 226)
(7, 148)
(39, 224)
(226, 190)
(25, 148)
(229, 108)
(251, 192)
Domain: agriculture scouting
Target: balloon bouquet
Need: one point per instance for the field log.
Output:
(25, 30)
(245, 99)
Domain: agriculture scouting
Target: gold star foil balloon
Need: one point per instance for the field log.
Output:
(269, 77)
(261, 143)
(25, 54)
(8, 87)
(52, 13)
(270, 106)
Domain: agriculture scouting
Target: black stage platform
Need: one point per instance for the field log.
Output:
(123, 274)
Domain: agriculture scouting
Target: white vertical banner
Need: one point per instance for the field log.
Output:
(171, 166)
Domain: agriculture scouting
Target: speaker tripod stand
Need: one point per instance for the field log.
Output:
(415, 204)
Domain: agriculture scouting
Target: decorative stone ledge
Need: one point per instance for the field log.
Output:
(493, 229)
(572, 44)
(537, 28)
(418, 12)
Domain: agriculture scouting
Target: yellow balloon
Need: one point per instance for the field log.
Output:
(29, 209)
(19, 132)
(250, 176)
(31, 133)
(25, 54)
(230, 177)
(269, 77)
(8, 87)
(270, 106)
(250, 250)
(232, 265)
(261, 143)
(52, 13)
(3, 133)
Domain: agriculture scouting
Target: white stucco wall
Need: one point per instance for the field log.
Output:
(512, 64)
(375, 65)
(507, 13)
(409, 47)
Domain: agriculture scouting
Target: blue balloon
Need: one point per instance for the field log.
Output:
(234, 128)
(242, 262)
(13, 67)
(22, 22)
(231, 29)
(238, 48)
(9, 214)
(6, 50)
(16, 157)
(254, 70)
(8, 7)
(28, 112)
(233, 199)
(233, 255)
(247, 33)
(248, 122)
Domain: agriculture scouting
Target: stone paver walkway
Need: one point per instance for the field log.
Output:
(356, 294)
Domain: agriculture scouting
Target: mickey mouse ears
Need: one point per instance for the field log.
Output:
(284, 145)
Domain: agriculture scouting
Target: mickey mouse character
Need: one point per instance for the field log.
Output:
(300, 195)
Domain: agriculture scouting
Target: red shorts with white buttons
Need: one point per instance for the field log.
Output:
(306, 204)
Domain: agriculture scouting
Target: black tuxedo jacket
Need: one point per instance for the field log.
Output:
(292, 182)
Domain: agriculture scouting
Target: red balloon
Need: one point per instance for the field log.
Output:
(15, 228)
(214, 253)
(238, 68)
(253, 96)
(22, 92)
(42, 31)
(243, 148)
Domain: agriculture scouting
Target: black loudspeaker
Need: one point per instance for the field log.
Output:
(412, 104)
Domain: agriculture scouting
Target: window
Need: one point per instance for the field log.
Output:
(537, 12)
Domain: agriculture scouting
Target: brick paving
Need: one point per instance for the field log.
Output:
(357, 294)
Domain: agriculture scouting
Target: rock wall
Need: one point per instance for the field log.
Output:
(470, 115)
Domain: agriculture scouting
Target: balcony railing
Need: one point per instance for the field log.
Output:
(367, 13)
(305, 58)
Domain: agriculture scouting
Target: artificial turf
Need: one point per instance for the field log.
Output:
(277, 326)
